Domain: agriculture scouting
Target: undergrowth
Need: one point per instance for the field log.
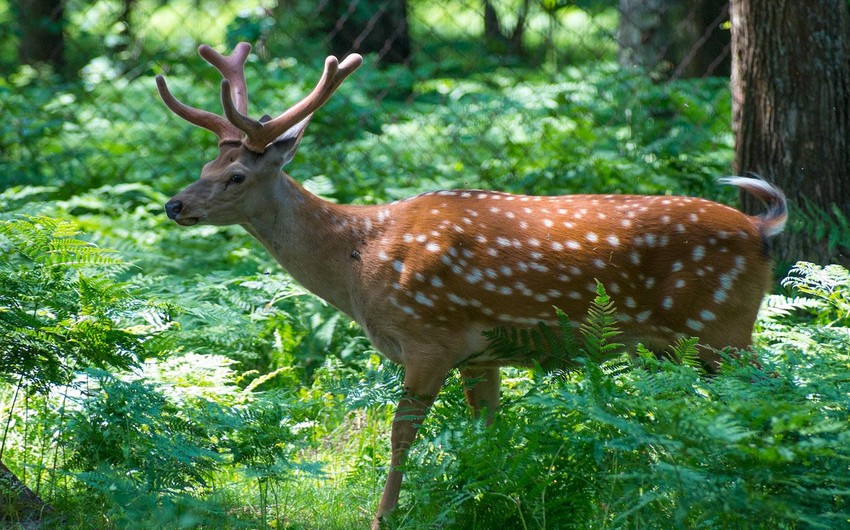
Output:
(156, 377)
(649, 443)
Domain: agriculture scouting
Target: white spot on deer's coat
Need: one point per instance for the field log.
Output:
(557, 246)
(593, 238)
(432, 247)
(573, 245)
(694, 324)
(548, 223)
(422, 299)
(643, 316)
(398, 266)
(707, 315)
(667, 303)
(613, 240)
(677, 266)
(698, 252)
(456, 299)
(436, 282)
(474, 275)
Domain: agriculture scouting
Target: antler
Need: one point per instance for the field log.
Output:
(258, 133)
(232, 67)
(234, 98)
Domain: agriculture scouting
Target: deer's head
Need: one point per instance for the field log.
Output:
(251, 152)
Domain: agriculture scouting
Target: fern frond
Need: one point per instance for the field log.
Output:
(599, 329)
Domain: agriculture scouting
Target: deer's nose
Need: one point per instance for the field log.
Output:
(173, 208)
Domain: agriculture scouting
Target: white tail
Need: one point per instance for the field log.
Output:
(426, 276)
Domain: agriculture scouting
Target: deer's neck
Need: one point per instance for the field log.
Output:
(316, 241)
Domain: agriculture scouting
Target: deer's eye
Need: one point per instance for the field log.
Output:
(237, 178)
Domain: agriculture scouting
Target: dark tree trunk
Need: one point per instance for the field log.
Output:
(495, 34)
(369, 26)
(791, 111)
(18, 503)
(492, 28)
(41, 24)
(675, 38)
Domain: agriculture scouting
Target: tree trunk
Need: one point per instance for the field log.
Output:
(497, 38)
(791, 113)
(492, 28)
(18, 503)
(675, 38)
(41, 23)
(369, 26)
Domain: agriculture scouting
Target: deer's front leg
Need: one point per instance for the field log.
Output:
(421, 386)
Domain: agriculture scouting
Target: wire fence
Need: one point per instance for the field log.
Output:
(123, 44)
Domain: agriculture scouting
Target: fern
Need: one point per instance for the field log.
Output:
(61, 308)
(599, 329)
(829, 225)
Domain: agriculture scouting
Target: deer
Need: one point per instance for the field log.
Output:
(425, 277)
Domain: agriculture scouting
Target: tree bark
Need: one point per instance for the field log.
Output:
(791, 111)
(498, 39)
(17, 502)
(369, 26)
(41, 24)
(675, 38)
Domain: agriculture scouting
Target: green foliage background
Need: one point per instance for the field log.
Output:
(177, 378)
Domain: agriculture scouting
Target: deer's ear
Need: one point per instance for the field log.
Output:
(283, 148)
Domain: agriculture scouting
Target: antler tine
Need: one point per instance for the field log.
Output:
(259, 135)
(232, 68)
(225, 130)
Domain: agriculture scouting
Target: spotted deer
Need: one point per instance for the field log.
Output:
(425, 276)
